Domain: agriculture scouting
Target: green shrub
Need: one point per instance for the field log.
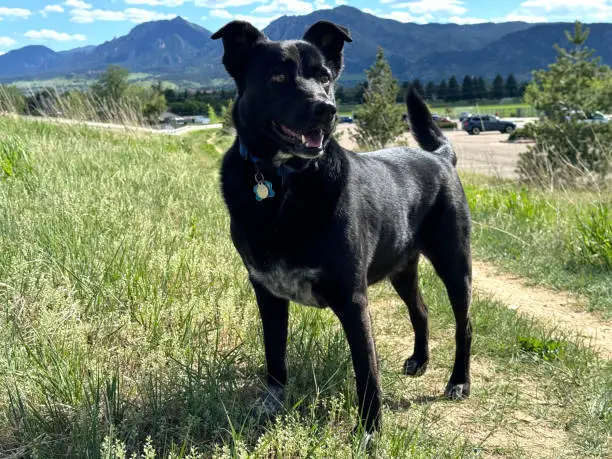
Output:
(547, 350)
(527, 132)
(567, 154)
(592, 241)
(446, 124)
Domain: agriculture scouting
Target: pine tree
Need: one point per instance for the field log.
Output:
(467, 88)
(480, 89)
(576, 81)
(442, 91)
(511, 86)
(454, 91)
(430, 90)
(379, 120)
(498, 90)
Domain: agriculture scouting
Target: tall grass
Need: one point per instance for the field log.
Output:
(558, 238)
(76, 105)
(127, 326)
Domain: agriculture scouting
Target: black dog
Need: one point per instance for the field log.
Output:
(317, 224)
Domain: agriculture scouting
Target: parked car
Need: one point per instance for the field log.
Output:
(464, 115)
(474, 125)
(596, 118)
(345, 119)
(201, 120)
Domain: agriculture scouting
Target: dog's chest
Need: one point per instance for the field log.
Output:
(294, 284)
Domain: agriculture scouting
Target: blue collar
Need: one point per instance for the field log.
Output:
(282, 171)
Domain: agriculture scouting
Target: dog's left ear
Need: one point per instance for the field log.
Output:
(329, 38)
(239, 37)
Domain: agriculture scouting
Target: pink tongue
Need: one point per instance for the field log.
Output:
(314, 139)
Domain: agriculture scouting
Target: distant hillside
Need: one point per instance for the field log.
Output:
(180, 51)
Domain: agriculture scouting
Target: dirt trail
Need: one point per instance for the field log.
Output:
(558, 309)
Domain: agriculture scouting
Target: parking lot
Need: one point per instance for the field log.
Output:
(487, 153)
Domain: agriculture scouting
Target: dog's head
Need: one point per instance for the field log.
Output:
(286, 97)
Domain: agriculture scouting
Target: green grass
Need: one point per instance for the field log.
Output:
(504, 110)
(561, 239)
(127, 324)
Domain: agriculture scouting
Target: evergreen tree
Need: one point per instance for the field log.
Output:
(454, 91)
(480, 89)
(430, 90)
(467, 88)
(379, 119)
(498, 90)
(574, 82)
(442, 91)
(511, 86)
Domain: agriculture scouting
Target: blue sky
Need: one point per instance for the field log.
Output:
(66, 24)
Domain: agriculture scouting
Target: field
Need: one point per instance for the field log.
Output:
(508, 110)
(128, 325)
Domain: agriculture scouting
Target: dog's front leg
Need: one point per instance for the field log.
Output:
(355, 320)
(274, 313)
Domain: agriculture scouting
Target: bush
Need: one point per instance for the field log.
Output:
(592, 243)
(527, 132)
(446, 124)
(567, 154)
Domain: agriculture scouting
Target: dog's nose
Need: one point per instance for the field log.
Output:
(323, 110)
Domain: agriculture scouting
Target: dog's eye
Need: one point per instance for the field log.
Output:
(278, 78)
(324, 78)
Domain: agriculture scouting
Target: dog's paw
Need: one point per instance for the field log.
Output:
(270, 403)
(414, 367)
(457, 391)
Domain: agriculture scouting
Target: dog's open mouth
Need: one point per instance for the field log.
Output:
(309, 143)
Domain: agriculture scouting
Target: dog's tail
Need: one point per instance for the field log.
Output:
(427, 134)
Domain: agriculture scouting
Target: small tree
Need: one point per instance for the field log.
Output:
(112, 84)
(498, 90)
(154, 107)
(379, 119)
(226, 118)
(571, 83)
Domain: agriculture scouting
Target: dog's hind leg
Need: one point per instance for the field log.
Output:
(453, 265)
(406, 284)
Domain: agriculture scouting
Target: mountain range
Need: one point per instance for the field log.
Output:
(180, 51)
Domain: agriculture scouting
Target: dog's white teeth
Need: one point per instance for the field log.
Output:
(303, 138)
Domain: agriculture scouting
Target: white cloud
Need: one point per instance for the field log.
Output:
(466, 20)
(285, 6)
(135, 15)
(566, 10)
(257, 21)
(341, 2)
(7, 41)
(45, 34)
(2, 52)
(14, 12)
(51, 9)
(168, 3)
(522, 18)
(433, 6)
(77, 4)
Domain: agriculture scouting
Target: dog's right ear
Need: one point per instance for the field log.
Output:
(239, 37)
